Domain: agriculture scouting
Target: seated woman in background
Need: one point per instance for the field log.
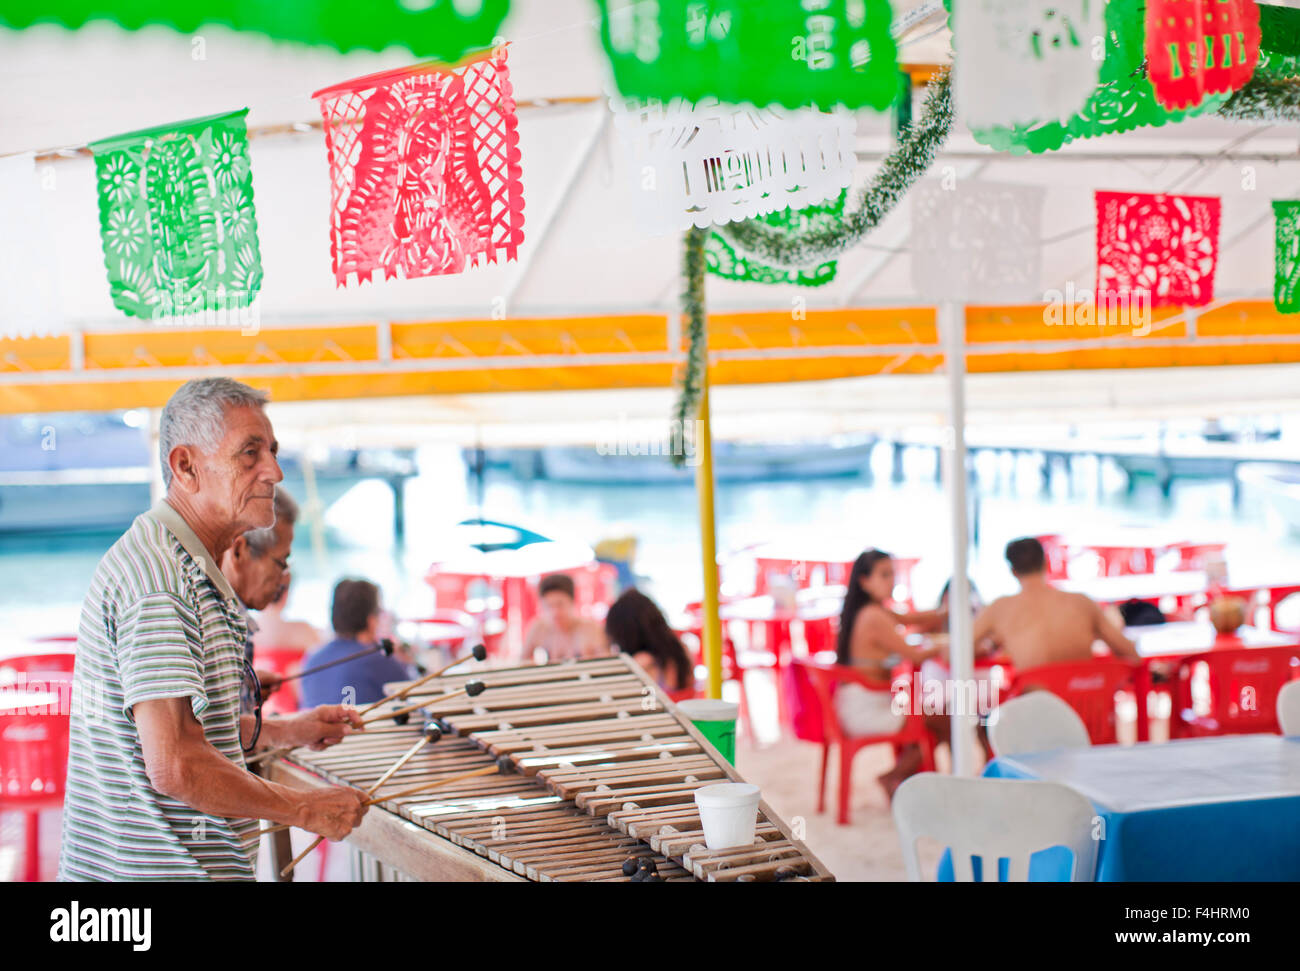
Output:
(636, 626)
(869, 640)
(356, 616)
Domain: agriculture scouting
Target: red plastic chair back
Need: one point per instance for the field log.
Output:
(825, 679)
(1244, 684)
(34, 737)
(1089, 687)
(284, 661)
(1193, 556)
(802, 702)
(1057, 554)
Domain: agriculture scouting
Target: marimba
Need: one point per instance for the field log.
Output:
(606, 769)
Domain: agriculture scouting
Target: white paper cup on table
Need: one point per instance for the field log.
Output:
(728, 813)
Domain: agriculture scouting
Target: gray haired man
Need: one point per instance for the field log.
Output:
(157, 787)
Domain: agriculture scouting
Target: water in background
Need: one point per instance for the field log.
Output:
(44, 578)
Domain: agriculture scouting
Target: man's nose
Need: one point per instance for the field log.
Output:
(274, 473)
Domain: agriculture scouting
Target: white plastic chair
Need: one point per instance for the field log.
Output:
(992, 819)
(1038, 721)
(1288, 708)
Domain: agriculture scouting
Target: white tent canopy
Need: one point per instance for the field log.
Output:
(582, 254)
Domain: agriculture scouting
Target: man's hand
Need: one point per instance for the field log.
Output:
(320, 727)
(332, 812)
(269, 680)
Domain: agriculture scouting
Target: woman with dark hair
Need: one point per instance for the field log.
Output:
(636, 626)
(869, 640)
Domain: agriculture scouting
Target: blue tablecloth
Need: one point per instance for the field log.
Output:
(1213, 809)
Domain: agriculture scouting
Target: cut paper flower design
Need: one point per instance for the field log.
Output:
(424, 170)
(793, 53)
(1122, 101)
(1286, 256)
(1195, 47)
(711, 163)
(722, 259)
(976, 242)
(1021, 62)
(169, 238)
(1165, 245)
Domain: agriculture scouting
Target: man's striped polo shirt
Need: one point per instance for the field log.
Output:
(160, 621)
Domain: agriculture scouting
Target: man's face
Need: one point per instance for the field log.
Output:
(558, 608)
(236, 481)
(264, 577)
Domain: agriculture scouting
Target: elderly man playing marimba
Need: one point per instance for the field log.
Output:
(157, 787)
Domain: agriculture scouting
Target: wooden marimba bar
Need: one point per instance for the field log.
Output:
(606, 771)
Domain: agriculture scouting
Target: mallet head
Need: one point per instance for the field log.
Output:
(432, 731)
(479, 652)
(474, 688)
(386, 647)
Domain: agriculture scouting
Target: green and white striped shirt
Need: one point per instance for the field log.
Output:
(160, 621)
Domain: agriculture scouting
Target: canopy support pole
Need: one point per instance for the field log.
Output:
(711, 625)
(961, 692)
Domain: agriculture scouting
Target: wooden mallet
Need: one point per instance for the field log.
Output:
(478, 654)
(471, 688)
(430, 734)
(502, 766)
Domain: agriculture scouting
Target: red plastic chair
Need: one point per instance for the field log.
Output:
(1089, 687)
(1244, 683)
(283, 661)
(825, 679)
(34, 745)
(1193, 556)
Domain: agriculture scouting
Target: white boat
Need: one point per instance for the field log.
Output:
(1277, 486)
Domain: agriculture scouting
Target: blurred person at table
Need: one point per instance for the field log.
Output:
(635, 625)
(871, 640)
(355, 613)
(1228, 614)
(157, 785)
(1043, 624)
(275, 630)
(558, 629)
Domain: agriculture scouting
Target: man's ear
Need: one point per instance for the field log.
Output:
(239, 547)
(184, 466)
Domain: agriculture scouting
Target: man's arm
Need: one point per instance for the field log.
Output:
(985, 627)
(1113, 637)
(183, 764)
(316, 728)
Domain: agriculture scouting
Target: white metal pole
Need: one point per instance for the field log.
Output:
(961, 662)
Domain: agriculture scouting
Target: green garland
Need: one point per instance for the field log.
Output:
(898, 173)
(694, 313)
(1264, 99)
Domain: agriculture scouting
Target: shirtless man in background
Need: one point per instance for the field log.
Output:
(1042, 624)
(558, 628)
